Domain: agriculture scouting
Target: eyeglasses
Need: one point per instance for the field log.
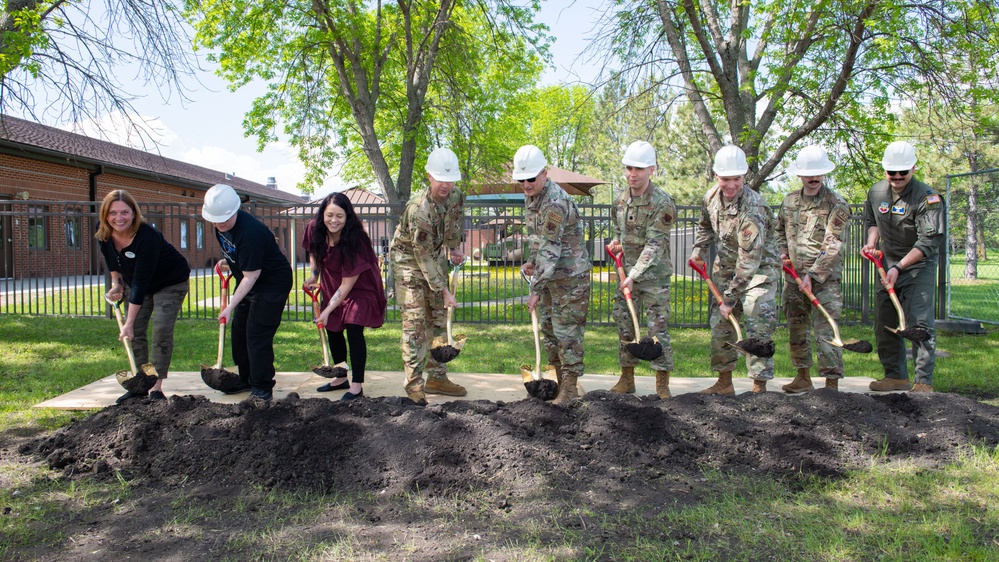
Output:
(528, 180)
(899, 173)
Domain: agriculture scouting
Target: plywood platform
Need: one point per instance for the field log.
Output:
(480, 386)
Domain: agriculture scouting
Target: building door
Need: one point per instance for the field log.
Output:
(6, 241)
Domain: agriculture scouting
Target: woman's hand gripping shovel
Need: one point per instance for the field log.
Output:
(215, 376)
(325, 371)
(751, 346)
(539, 384)
(134, 381)
(648, 348)
(914, 334)
(445, 349)
(857, 346)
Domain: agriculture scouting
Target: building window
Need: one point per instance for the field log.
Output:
(199, 235)
(183, 234)
(37, 236)
(73, 233)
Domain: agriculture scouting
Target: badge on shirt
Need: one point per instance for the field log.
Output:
(130, 255)
(930, 199)
(421, 236)
(552, 223)
(883, 207)
(898, 208)
(667, 219)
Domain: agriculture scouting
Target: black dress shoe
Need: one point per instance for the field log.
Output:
(157, 395)
(328, 387)
(351, 396)
(129, 395)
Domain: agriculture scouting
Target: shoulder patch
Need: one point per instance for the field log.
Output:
(749, 232)
(931, 199)
(421, 236)
(553, 221)
(667, 219)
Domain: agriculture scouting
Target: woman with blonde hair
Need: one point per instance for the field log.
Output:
(150, 273)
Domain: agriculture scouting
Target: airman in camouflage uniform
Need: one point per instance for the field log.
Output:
(437, 380)
(421, 276)
(559, 268)
(811, 232)
(737, 222)
(907, 217)
(642, 221)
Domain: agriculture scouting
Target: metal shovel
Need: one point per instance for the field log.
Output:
(444, 349)
(325, 371)
(914, 334)
(134, 381)
(647, 348)
(751, 346)
(215, 376)
(857, 346)
(543, 385)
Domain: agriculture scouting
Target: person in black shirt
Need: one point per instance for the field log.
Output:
(263, 281)
(151, 273)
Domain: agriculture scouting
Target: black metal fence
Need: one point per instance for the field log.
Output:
(51, 264)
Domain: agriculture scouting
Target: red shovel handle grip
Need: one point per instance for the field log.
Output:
(615, 257)
(874, 256)
(703, 271)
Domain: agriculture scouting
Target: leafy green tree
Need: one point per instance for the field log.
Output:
(60, 59)
(777, 71)
(348, 78)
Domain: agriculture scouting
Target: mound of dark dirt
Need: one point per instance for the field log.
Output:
(602, 442)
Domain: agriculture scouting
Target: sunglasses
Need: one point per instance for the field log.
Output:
(899, 173)
(528, 180)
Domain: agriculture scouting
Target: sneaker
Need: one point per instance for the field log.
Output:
(157, 395)
(259, 394)
(129, 395)
(921, 387)
(418, 396)
(241, 387)
(445, 387)
(887, 385)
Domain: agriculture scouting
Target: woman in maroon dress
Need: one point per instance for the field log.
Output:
(353, 296)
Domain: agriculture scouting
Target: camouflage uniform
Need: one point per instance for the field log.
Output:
(453, 230)
(421, 277)
(914, 219)
(745, 271)
(643, 226)
(561, 275)
(812, 231)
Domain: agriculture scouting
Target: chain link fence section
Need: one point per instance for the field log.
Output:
(972, 247)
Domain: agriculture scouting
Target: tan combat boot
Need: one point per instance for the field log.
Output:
(662, 384)
(832, 383)
(886, 384)
(444, 386)
(722, 386)
(566, 390)
(558, 375)
(626, 384)
(921, 387)
(759, 386)
(801, 383)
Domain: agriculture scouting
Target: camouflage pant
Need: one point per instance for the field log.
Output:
(653, 296)
(759, 308)
(562, 319)
(422, 311)
(916, 294)
(803, 317)
(166, 303)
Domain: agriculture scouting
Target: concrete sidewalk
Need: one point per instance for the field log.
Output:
(480, 386)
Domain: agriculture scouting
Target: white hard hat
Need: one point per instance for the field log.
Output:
(730, 161)
(442, 165)
(639, 154)
(899, 155)
(221, 203)
(528, 162)
(811, 161)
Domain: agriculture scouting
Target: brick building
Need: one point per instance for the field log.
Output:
(52, 183)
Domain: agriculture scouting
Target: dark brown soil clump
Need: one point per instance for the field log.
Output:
(862, 346)
(219, 379)
(604, 442)
(542, 389)
(646, 349)
(757, 347)
(444, 353)
(328, 372)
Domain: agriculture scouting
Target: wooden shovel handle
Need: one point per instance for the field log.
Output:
(789, 269)
(875, 258)
(627, 292)
(537, 344)
(314, 294)
(128, 342)
(715, 292)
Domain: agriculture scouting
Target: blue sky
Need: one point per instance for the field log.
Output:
(207, 131)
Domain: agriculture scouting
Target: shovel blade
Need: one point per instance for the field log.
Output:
(139, 383)
(646, 349)
(755, 347)
(543, 389)
(334, 372)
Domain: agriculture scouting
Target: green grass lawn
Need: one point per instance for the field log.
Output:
(899, 512)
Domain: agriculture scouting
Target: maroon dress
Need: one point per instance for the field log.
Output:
(365, 304)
